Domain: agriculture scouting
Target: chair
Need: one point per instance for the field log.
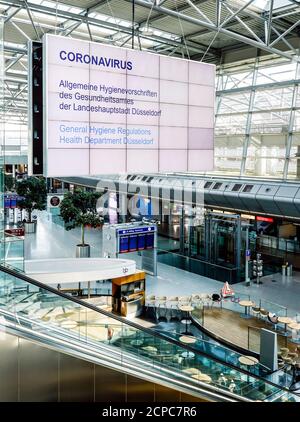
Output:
(173, 303)
(195, 299)
(172, 299)
(292, 355)
(160, 307)
(205, 298)
(288, 362)
(256, 311)
(150, 300)
(284, 351)
(263, 314)
(178, 359)
(294, 335)
(162, 300)
(184, 300)
(215, 298)
(162, 312)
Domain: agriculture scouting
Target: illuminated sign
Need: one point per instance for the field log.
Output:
(111, 110)
(136, 230)
(266, 219)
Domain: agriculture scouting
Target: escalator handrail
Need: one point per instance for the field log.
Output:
(130, 361)
(22, 276)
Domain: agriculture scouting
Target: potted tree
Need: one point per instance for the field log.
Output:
(34, 193)
(78, 209)
(9, 182)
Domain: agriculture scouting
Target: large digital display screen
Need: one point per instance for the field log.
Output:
(114, 110)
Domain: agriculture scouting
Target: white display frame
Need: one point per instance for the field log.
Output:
(171, 152)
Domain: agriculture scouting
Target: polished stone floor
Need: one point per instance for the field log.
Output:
(53, 241)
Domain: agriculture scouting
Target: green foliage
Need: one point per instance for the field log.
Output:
(9, 182)
(34, 192)
(78, 209)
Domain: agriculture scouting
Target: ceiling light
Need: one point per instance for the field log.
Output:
(146, 30)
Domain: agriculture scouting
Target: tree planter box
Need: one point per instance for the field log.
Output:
(30, 227)
(83, 251)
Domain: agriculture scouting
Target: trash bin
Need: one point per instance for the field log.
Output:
(283, 270)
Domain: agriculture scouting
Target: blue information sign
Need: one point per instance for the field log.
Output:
(136, 230)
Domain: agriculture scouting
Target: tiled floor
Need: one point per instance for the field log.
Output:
(52, 241)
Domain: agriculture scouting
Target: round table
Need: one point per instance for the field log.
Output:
(187, 340)
(248, 360)
(246, 304)
(285, 321)
(295, 326)
(192, 371)
(150, 349)
(187, 309)
(202, 377)
(137, 342)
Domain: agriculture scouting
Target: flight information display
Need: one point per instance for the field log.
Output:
(124, 244)
(136, 239)
(112, 110)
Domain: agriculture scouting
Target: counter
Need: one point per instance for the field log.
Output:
(133, 307)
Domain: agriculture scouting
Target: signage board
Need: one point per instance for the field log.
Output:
(266, 219)
(136, 230)
(111, 110)
(54, 201)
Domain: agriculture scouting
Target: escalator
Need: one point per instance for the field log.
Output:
(36, 312)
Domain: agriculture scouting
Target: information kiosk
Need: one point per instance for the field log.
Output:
(132, 237)
(128, 294)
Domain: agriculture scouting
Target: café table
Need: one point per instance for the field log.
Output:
(248, 361)
(187, 340)
(295, 326)
(285, 321)
(187, 309)
(246, 304)
(202, 377)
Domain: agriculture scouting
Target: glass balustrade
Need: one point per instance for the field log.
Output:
(29, 305)
(14, 251)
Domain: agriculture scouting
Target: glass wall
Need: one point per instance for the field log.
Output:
(258, 119)
(1, 143)
(11, 247)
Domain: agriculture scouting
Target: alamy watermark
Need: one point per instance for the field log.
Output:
(141, 199)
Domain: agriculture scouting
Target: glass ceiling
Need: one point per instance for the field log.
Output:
(265, 4)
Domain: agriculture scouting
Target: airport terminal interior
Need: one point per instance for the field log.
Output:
(150, 201)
